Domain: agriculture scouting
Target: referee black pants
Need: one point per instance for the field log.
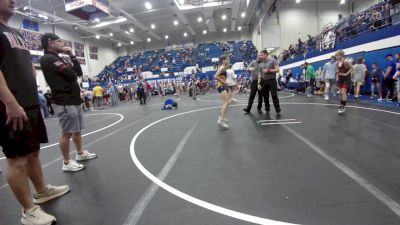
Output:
(267, 87)
(254, 90)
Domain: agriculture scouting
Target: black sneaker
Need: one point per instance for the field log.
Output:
(246, 111)
(278, 111)
(259, 111)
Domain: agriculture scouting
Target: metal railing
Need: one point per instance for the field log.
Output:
(375, 18)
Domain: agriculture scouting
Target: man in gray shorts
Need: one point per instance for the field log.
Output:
(329, 76)
(62, 79)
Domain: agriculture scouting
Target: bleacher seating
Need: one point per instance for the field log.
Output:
(174, 60)
(352, 32)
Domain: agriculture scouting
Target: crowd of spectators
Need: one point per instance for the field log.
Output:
(383, 14)
(200, 55)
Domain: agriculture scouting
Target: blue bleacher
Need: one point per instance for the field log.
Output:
(202, 55)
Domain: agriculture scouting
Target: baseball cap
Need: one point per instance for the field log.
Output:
(48, 37)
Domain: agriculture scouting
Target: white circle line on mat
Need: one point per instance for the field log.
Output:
(92, 132)
(204, 204)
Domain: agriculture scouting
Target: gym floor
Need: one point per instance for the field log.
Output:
(310, 166)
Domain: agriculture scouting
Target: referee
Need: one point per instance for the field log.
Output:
(255, 70)
(63, 81)
(269, 67)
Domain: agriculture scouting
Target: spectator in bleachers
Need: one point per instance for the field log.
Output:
(98, 96)
(341, 32)
(113, 94)
(389, 74)
(43, 104)
(359, 74)
(397, 77)
(376, 21)
(311, 78)
(329, 77)
(141, 91)
(376, 74)
(49, 102)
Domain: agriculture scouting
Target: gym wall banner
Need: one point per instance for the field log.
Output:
(88, 9)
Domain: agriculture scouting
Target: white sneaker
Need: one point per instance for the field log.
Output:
(223, 119)
(85, 156)
(326, 98)
(309, 95)
(50, 193)
(342, 109)
(223, 124)
(72, 166)
(234, 100)
(36, 216)
(380, 99)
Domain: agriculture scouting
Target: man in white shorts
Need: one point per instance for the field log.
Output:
(62, 79)
(329, 76)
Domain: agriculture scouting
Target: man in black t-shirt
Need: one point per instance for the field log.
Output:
(63, 81)
(21, 124)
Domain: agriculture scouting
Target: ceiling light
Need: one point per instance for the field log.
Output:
(223, 17)
(119, 44)
(132, 42)
(342, 2)
(148, 40)
(298, 1)
(120, 20)
(148, 5)
(43, 16)
(239, 28)
(200, 19)
(204, 32)
(126, 32)
(166, 37)
(243, 14)
(270, 49)
(225, 30)
(97, 36)
(131, 30)
(153, 26)
(75, 27)
(176, 22)
(111, 34)
(185, 34)
(96, 20)
(106, 23)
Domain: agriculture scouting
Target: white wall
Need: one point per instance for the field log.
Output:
(297, 21)
(361, 5)
(107, 52)
(198, 38)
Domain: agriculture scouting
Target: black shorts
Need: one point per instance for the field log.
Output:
(375, 80)
(344, 82)
(21, 143)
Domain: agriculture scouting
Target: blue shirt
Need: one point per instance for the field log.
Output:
(393, 65)
(330, 70)
(42, 100)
